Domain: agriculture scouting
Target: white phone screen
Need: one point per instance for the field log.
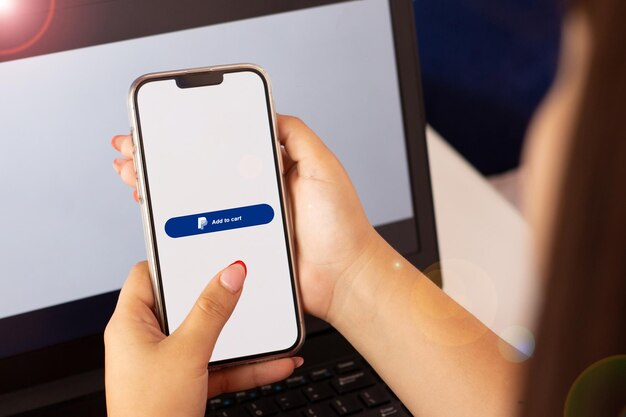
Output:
(212, 181)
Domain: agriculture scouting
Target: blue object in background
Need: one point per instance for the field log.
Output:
(486, 64)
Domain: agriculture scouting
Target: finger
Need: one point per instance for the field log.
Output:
(137, 289)
(124, 144)
(244, 377)
(127, 173)
(287, 161)
(135, 306)
(299, 140)
(115, 142)
(118, 163)
(207, 317)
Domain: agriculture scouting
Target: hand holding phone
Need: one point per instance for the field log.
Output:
(142, 363)
(321, 194)
(210, 183)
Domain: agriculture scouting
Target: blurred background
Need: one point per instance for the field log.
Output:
(486, 65)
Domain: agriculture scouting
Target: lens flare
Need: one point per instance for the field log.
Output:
(436, 316)
(601, 384)
(521, 339)
(6, 6)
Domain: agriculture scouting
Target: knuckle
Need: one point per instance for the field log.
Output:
(128, 170)
(290, 119)
(139, 267)
(127, 145)
(256, 376)
(109, 332)
(225, 385)
(213, 308)
(297, 121)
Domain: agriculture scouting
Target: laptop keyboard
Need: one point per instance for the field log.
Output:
(348, 386)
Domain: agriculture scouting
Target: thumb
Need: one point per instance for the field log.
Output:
(200, 329)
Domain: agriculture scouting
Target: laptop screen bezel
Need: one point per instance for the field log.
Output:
(83, 354)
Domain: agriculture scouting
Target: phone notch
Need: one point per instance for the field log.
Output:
(199, 79)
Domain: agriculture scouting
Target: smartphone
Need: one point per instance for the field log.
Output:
(210, 183)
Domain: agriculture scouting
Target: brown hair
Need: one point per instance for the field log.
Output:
(584, 313)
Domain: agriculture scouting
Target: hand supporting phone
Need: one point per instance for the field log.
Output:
(210, 180)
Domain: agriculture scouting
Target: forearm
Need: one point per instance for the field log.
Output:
(438, 358)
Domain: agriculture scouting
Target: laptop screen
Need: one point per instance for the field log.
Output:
(70, 228)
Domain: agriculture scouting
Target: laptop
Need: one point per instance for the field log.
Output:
(71, 230)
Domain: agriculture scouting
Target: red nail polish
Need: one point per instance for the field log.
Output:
(245, 268)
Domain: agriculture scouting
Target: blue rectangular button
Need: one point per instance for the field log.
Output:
(217, 221)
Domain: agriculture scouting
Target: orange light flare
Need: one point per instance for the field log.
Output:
(7, 8)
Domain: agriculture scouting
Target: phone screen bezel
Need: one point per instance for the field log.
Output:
(149, 217)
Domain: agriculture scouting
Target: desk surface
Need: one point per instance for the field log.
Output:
(484, 244)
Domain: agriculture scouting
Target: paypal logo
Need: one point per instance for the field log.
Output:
(202, 222)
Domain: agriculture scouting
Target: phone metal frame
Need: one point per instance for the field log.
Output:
(146, 210)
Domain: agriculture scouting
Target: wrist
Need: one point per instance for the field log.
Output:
(358, 287)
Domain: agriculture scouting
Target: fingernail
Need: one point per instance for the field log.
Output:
(114, 143)
(232, 278)
(136, 196)
(117, 164)
(240, 262)
(297, 361)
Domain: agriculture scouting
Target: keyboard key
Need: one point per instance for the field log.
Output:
(244, 396)
(319, 374)
(345, 406)
(296, 381)
(291, 414)
(318, 392)
(351, 382)
(231, 412)
(375, 396)
(262, 408)
(271, 389)
(347, 366)
(215, 404)
(278, 387)
(318, 411)
(393, 410)
(266, 390)
(290, 400)
(219, 402)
